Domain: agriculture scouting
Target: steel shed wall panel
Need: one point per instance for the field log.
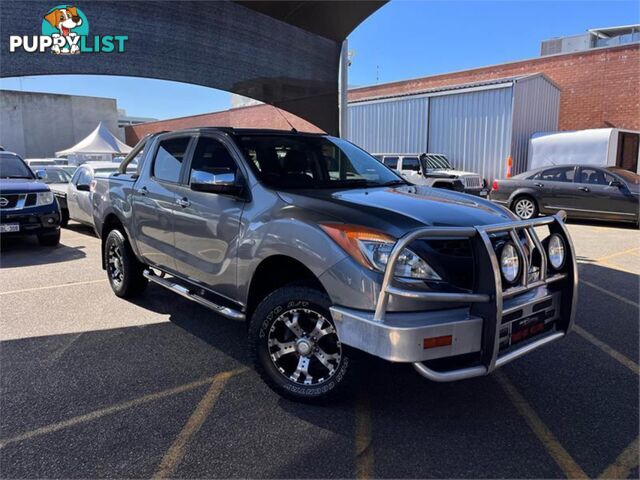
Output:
(473, 130)
(397, 126)
(536, 108)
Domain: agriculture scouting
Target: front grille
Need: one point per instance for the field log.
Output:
(10, 201)
(472, 182)
(451, 258)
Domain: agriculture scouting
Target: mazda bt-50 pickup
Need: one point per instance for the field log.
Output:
(321, 250)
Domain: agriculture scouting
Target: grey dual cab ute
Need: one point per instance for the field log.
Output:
(321, 250)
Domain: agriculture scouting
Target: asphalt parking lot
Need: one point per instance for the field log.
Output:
(94, 386)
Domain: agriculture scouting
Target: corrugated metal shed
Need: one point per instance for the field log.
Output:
(476, 125)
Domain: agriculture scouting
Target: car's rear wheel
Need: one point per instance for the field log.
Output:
(49, 239)
(124, 271)
(525, 207)
(295, 346)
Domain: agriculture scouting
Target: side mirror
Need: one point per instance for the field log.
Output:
(83, 187)
(616, 183)
(41, 174)
(224, 182)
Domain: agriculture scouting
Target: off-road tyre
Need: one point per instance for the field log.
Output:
(124, 271)
(265, 322)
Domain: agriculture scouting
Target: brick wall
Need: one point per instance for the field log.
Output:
(599, 88)
(259, 116)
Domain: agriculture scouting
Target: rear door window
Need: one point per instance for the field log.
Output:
(169, 158)
(391, 162)
(411, 164)
(558, 174)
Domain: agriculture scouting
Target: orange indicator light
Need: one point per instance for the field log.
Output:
(434, 342)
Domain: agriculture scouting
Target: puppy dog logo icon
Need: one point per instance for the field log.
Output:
(65, 24)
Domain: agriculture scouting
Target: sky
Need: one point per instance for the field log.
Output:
(404, 39)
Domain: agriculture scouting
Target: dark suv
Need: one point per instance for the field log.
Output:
(27, 206)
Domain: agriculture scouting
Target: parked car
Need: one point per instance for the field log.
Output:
(58, 179)
(588, 192)
(35, 163)
(27, 206)
(322, 249)
(78, 193)
(434, 170)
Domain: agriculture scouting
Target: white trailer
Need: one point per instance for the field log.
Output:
(598, 146)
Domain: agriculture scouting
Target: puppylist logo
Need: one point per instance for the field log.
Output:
(65, 31)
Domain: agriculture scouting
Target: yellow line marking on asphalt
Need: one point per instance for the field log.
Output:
(623, 359)
(617, 254)
(364, 449)
(176, 452)
(611, 294)
(87, 417)
(564, 460)
(626, 461)
(46, 287)
(617, 266)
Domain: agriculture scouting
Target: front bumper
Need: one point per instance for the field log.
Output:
(480, 323)
(477, 191)
(32, 220)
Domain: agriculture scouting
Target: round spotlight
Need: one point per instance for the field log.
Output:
(556, 251)
(509, 262)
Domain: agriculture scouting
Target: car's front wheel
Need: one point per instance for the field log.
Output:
(295, 346)
(49, 239)
(525, 207)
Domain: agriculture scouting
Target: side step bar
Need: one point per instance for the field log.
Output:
(186, 293)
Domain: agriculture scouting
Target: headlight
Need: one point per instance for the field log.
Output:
(509, 262)
(44, 198)
(556, 251)
(372, 249)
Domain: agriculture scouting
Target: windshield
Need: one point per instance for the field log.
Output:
(301, 161)
(55, 175)
(12, 167)
(627, 176)
(436, 162)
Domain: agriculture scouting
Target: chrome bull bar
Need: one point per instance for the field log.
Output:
(488, 295)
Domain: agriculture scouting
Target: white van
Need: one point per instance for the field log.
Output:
(603, 147)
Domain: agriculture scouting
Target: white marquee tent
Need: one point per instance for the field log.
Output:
(100, 144)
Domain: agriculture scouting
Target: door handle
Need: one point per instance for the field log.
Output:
(183, 202)
(142, 191)
(584, 189)
(538, 184)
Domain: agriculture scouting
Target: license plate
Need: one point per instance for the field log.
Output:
(484, 192)
(527, 327)
(9, 227)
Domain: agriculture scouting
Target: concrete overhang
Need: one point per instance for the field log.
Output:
(284, 53)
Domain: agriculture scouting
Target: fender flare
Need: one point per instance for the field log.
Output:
(99, 228)
(523, 191)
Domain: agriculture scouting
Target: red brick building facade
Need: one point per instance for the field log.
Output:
(599, 88)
